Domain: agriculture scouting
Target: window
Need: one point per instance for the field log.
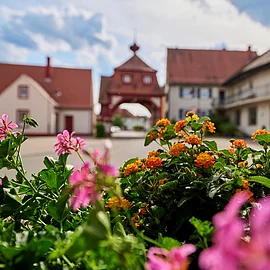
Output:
(250, 85)
(238, 117)
(188, 93)
(127, 79)
(204, 93)
(23, 91)
(252, 116)
(20, 116)
(147, 79)
(181, 116)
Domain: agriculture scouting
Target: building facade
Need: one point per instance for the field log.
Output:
(58, 98)
(247, 100)
(195, 78)
(132, 82)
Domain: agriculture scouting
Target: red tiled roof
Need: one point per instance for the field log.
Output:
(74, 84)
(137, 64)
(105, 84)
(212, 67)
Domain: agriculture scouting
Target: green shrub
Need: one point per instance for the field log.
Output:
(138, 128)
(100, 130)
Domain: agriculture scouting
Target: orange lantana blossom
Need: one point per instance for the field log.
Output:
(134, 167)
(239, 144)
(209, 126)
(205, 160)
(193, 140)
(179, 126)
(114, 203)
(152, 136)
(259, 132)
(163, 122)
(153, 153)
(153, 162)
(177, 148)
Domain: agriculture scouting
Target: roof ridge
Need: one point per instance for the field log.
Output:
(214, 50)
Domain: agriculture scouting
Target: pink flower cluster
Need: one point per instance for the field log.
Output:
(162, 259)
(86, 184)
(66, 144)
(5, 127)
(231, 250)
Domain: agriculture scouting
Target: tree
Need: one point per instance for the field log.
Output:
(117, 120)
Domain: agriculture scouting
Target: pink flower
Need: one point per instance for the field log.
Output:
(1, 182)
(227, 250)
(85, 187)
(5, 127)
(66, 144)
(162, 259)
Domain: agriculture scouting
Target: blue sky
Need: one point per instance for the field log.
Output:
(96, 33)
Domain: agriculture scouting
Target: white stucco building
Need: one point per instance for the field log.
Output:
(58, 98)
(247, 100)
(195, 78)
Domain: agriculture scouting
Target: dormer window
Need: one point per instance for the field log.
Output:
(23, 91)
(147, 79)
(127, 79)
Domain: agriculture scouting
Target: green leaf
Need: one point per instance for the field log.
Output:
(212, 145)
(263, 139)
(169, 185)
(168, 242)
(196, 126)
(132, 160)
(50, 177)
(147, 141)
(4, 147)
(204, 228)
(203, 119)
(260, 179)
(118, 230)
(220, 164)
(63, 159)
(49, 162)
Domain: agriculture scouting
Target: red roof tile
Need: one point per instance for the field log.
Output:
(135, 64)
(211, 67)
(74, 84)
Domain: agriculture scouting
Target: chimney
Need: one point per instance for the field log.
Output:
(250, 56)
(48, 74)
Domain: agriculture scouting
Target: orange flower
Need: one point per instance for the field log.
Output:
(114, 203)
(135, 220)
(161, 132)
(240, 144)
(153, 153)
(152, 136)
(177, 148)
(190, 113)
(259, 166)
(163, 122)
(242, 164)
(193, 139)
(205, 160)
(245, 184)
(231, 151)
(258, 132)
(209, 126)
(162, 181)
(153, 162)
(134, 167)
(179, 125)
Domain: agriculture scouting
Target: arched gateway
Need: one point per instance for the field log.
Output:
(132, 82)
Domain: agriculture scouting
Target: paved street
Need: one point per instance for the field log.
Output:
(123, 148)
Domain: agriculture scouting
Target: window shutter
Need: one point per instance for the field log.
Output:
(181, 92)
(210, 92)
(180, 114)
(198, 112)
(199, 93)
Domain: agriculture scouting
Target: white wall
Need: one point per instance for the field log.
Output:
(82, 120)
(39, 104)
(175, 102)
(131, 122)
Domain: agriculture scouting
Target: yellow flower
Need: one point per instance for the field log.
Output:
(153, 153)
(259, 166)
(242, 164)
(193, 139)
(177, 148)
(193, 117)
(209, 126)
(114, 203)
(205, 160)
(161, 132)
(190, 113)
(134, 167)
(162, 181)
(135, 220)
(239, 144)
(163, 122)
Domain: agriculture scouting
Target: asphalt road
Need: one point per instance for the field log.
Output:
(125, 145)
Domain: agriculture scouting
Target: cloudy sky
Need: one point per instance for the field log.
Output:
(96, 33)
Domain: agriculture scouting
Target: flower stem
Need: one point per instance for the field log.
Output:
(80, 156)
